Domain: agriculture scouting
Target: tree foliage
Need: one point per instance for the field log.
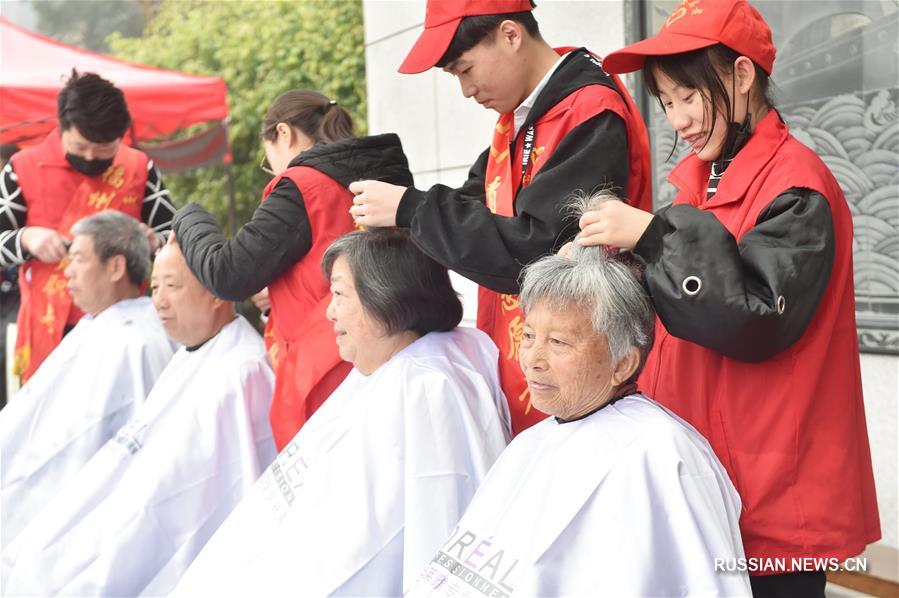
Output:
(260, 49)
(87, 23)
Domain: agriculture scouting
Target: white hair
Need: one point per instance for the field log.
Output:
(599, 279)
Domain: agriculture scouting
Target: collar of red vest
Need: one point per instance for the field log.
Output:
(691, 175)
(579, 69)
(51, 150)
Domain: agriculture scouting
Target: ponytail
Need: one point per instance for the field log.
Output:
(336, 124)
(321, 119)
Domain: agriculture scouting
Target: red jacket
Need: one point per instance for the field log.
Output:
(790, 429)
(299, 338)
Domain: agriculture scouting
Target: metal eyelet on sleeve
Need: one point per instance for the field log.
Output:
(781, 305)
(691, 285)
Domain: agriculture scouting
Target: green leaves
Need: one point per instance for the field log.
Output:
(261, 49)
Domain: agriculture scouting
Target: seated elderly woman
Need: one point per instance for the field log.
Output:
(359, 500)
(614, 495)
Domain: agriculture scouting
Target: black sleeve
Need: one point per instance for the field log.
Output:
(157, 209)
(747, 300)
(275, 238)
(455, 227)
(473, 189)
(12, 219)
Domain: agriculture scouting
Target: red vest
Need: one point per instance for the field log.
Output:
(58, 196)
(499, 314)
(791, 430)
(299, 338)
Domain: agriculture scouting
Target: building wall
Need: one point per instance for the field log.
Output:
(443, 133)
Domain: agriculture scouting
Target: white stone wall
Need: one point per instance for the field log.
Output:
(443, 133)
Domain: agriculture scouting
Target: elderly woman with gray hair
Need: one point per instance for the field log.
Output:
(611, 496)
(364, 494)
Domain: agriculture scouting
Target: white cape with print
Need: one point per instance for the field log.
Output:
(144, 506)
(629, 501)
(85, 390)
(371, 485)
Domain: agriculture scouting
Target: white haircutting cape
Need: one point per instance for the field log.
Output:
(628, 501)
(85, 390)
(144, 506)
(359, 500)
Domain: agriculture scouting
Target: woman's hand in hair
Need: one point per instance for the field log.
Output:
(613, 223)
(375, 203)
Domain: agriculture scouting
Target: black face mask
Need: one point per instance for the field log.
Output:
(737, 136)
(88, 167)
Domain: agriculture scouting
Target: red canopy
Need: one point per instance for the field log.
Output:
(33, 69)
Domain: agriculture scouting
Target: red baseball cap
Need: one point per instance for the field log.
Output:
(442, 18)
(696, 24)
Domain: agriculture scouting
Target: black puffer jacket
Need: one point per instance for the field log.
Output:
(279, 234)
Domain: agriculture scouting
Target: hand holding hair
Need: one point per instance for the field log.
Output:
(375, 203)
(613, 223)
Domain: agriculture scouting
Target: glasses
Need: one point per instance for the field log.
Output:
(264, 167)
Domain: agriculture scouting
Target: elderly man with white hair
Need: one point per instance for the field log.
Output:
(144, 506)
(90, 384)
(611, 496)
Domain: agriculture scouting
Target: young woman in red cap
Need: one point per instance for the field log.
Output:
(565, 125)
(750, 271)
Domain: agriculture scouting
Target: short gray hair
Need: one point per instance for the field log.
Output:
(603, 281)
(114, 233)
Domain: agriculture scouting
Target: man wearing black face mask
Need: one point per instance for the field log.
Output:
(79, 169)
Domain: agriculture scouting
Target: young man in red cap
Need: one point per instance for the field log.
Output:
(565, 126)
(750, 271)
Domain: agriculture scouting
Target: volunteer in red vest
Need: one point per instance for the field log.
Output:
(750, 271)
(565, 126)
(314, 155)
(79, 169)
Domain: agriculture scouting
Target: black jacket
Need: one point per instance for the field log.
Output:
(455, 227)
(789, 252)
(278, 234)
